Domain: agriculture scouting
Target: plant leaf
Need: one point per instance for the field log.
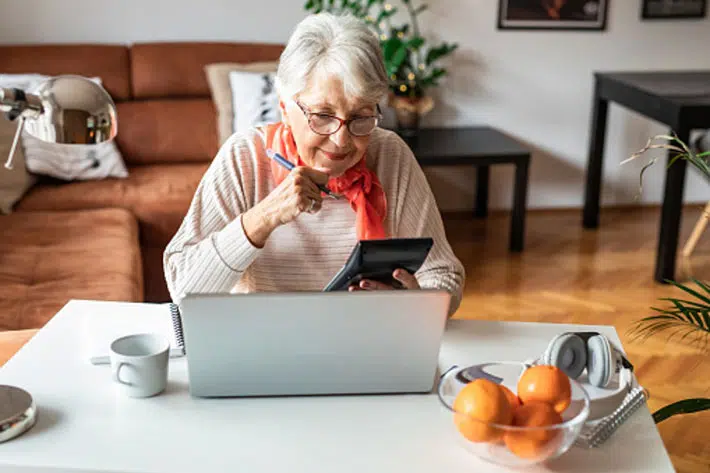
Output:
(690, 330)
(704, 286)
(437, 53)
(680, 142)
(683, 301)
(384, 14)
(390, 47)
(686, 312)
(652, 318)
(432, 78)
(398, 58)
(686, 406)
(416, 42)
(687, 318)
(657, 326)
(394, 52)
(690, 291)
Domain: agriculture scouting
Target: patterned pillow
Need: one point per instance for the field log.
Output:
(254, 99)
(221, 90)
(67, 162)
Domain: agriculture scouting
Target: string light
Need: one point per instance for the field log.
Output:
(411, 76)
(388, 7)
(422, 67)
(402, 88)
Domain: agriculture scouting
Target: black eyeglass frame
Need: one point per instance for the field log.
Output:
(308, 114)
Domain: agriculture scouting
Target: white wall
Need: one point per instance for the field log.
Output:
(536, 85)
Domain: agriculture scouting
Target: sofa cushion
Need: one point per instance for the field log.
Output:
(109, 62)
(12, 340)
(176, 69)
(167, 131)
(221, 90)
(48, 258)
(158, 195)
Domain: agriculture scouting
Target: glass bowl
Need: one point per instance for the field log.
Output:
(509, 445)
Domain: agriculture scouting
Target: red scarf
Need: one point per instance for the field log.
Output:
(359, 184)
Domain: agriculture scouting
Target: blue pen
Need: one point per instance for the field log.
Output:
(289, 165)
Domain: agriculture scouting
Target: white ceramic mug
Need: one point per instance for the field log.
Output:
(139, 364)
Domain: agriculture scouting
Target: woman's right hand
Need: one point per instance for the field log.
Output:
(296, 194)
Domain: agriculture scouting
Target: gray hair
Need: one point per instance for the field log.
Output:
(339, 45)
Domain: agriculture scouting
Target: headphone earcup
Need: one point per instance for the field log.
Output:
(599, 361)
(567, 352)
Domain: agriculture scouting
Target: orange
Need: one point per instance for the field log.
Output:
(479, 402)
(533, 443)
(545, 383)
(512, 398)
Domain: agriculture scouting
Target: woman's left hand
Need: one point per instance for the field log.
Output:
(407, 280)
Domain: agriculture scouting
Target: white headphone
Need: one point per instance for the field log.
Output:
(572, 352)
(577, 352)
(609, 374)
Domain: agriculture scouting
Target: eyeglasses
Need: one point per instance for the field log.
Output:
(326, 124)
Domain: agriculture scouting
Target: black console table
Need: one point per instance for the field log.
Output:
(678, 99)
(481, 147)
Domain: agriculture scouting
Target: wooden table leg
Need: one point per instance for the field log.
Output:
(590, 215)
(671, 211)
(697, 231)
(520, 193)
(483, 174)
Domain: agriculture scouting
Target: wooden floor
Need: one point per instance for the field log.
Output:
(569, 274)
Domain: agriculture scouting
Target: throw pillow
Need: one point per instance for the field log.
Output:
(254, 99)
(15, 182)
(220, 88)
(67, 162)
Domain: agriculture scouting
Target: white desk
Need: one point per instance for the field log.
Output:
(84, 425)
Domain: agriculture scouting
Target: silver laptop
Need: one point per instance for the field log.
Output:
(314, 343)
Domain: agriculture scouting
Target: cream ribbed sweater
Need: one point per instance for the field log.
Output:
(211, 253)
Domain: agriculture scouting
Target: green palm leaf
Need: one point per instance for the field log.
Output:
(693, 293)
(685, 406)
(685, 318)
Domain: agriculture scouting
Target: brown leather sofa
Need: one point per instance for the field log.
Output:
(105, 239)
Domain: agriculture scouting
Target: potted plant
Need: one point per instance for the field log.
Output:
(691, 318)
(412, 65)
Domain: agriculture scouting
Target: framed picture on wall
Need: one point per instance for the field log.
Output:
(671, 9)
(552, 14)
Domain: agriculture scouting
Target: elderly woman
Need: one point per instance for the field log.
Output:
(254, 226)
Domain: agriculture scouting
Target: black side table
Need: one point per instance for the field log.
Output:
(481, 147)
(679, 99)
